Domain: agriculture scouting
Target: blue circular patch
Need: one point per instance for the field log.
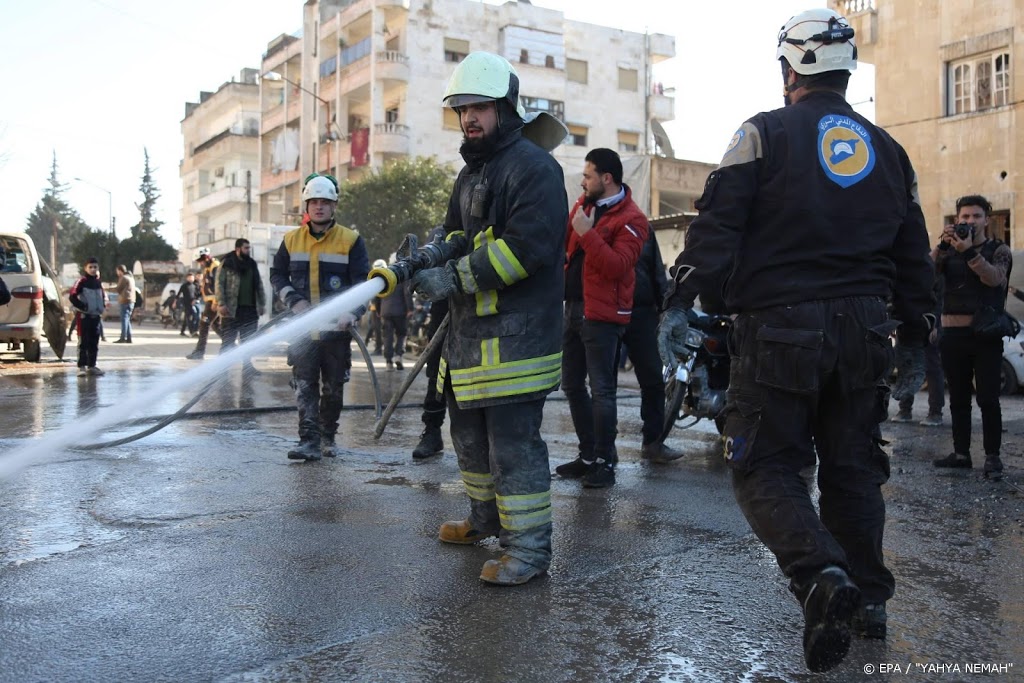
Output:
(334, 283)
(736, 139)
(844, 150)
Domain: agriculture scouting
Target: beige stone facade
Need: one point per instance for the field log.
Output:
(948, 81)
(220, 167)
(363, 85)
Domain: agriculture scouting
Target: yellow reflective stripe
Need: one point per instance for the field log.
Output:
(529, 366)
(467, 281)
(483, 237)
(489, 351)
(442, 372)
(479, 485)
(453, 234)
(486, 303)
(519, 513)
(523, 385)
(504, 262)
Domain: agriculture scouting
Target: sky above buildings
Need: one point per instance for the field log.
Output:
(96, 81)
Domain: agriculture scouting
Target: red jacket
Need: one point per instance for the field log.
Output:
(611, 250)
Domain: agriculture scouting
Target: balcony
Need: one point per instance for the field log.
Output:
(390, 138)
(340, 154)
(362, 7)
(663, 107)
(392, 65)
(662, 47)
(222, 146)
(274, 181)
(271, 119)
(213, 200)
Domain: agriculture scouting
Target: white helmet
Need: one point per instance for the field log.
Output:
(482, 77)
(202, 253)
(817, 41)
(380, 263)
(320, 187)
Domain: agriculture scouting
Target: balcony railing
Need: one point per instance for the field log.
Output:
(856, 6)
(391, 129)
(392, 56)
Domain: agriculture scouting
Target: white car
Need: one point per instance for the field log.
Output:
(35, 310)
(1012, 370)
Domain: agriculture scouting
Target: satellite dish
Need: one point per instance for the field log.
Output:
(661, 138)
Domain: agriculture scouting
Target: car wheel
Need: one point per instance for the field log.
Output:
(32, 350)
(1007, 379)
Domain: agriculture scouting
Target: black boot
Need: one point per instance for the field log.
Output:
(430, 444)
(306, 450)
(327, 446)
(869, 621)
(828, 605)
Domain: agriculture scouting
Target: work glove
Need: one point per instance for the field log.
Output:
(345, 321)
(672, 336)
(299, 306)
(909, 371)
(435, 284)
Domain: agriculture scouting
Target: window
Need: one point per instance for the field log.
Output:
(978, 83)
(455, 50)
(524, 56)
(451, 120)
(577, 136)
(628, 79)
(576, 70)
(549, 61)
(391, 115)
(628, 142)
(554, 107)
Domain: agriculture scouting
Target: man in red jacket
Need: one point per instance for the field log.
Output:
(605, 235)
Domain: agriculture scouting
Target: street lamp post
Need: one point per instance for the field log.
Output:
(110, 201)
(275, 76)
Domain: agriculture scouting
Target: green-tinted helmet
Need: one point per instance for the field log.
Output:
(482, 77)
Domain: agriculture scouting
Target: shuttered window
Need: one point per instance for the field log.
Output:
(455, 50)
(627, 79)
(628, 142)
(576, 70)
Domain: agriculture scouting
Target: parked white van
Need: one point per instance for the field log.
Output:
(35, 310)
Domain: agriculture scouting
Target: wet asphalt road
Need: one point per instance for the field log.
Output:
(202, 554)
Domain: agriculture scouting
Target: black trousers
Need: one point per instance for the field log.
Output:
(641, 340)
(395, 329)
(314, 362)
(973, 363)
(936, 382)
(434, 402)
(805, 382)
(88, 340)
(238, 329)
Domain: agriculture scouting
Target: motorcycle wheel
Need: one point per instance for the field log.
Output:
(675, 392)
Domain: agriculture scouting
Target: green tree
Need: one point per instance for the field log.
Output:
(105, 247)
(146, 243)
(405, 196)
(52, 215)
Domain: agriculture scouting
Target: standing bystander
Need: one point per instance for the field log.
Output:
(126, 299)
(89, 300)
(240, 297)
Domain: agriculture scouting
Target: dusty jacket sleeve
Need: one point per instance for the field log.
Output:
(992, 274)
(281, 279)
(713, 239)
(913, 295)
(532, 237)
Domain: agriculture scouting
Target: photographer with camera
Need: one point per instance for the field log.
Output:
(974, 270)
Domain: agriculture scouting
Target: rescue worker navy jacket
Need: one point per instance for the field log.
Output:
(228, 279)
(208, 281)
(315, 268)
(611, 249)
(505, 340)
(398, 304)
(810, 202)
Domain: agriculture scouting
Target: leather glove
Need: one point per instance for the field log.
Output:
(435, 284)
(909, 371)
(672, 336)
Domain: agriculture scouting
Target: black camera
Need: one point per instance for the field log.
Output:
(963, 230)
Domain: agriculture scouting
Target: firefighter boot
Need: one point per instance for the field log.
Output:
(430, 444)
(508, 571)
(306, 450)
(463, 533)
(327, 447)
(828, 610)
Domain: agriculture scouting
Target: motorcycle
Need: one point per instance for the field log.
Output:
(697, 387)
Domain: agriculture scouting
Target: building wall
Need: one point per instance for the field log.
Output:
(220, 166)
(915, 46)
(395, 88)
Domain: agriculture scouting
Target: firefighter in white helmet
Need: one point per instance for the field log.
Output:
(502, 355)
(316, 261)
(811, 222)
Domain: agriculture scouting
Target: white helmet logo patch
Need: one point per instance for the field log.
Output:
(844, 150)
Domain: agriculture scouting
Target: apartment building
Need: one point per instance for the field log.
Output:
(220, 167)
(947, 86)
(362, 84)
